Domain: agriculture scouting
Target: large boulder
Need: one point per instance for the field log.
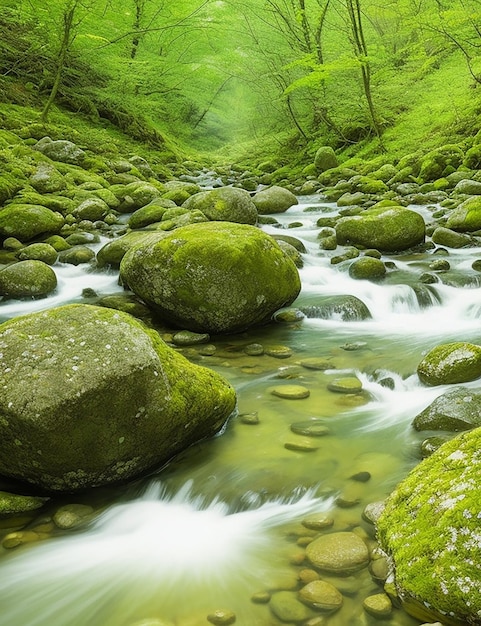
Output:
(274, 200)
(27, 221)
(226, 204)
(450, 363)
(90, 396)
(455, 410)
(214, 277)
(389, 229)
(60, 150)
(430, 531)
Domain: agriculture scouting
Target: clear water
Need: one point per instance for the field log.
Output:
(224, 520)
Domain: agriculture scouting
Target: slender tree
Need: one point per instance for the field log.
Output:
(361, 54)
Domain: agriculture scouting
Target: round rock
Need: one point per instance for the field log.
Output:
(214, 277)
(321, 595)
(450, 363)
(291, 392)
(341, 553)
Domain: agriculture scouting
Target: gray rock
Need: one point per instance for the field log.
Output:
(90, 396)
(455, 410)
(347, 308)
(60, 150)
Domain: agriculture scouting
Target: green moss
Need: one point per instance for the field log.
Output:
(450, 363)
(430, 528)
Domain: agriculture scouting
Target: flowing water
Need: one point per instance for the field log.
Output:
(223, 522)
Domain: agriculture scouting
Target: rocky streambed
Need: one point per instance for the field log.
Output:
(370, 363)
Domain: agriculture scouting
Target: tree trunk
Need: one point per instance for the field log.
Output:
(360, 50)
(68, 16)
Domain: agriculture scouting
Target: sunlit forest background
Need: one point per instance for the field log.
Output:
(261, 77)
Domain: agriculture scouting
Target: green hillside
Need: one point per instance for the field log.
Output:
(249, 81)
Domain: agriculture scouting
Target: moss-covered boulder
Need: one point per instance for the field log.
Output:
(47, 179)
(90, 396)
(451, 239)
(450, 363)
(38, 252)
(215, 277)
(367, 268)
(27, 221)
(150, 213)
(27, 279)
(60, 150)
(430, 530)
(226, 204)
(274, 200)
(135, 195)
(388, 229)
(440, 162)
(114, 251)
(467, 216)
(345, 307)
(456, 410)
(325, 159)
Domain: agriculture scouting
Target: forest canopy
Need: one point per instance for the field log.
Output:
(219, 72)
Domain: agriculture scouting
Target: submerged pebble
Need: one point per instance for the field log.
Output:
(349, 384)
(310, 428)
(221, 617)
(291, 392)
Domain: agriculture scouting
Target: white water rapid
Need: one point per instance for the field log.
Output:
(151, 556)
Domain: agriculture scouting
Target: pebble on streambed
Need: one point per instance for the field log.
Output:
(290, 392)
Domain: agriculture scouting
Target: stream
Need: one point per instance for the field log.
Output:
(221, 527)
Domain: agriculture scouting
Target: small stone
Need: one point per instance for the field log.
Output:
(373, 511)
(378, 605)
(279, 352)
(19, 538)
(317, 521)
(301, 446)
(356, 345)
(221, 617)
(288, 315)
(188, 338)
(379, 569)
(249, 418)
(361, 477)
(349, 384)
(287, 608)
(71, 515)
(207, 350)
(316, 363)
(340, 553)
(321, 595)
(307, 575)
(254, 349)
(261, 597)
(291, 392)
(287, 373)
(310, 428)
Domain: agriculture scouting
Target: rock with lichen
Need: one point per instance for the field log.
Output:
(388, 229)
(90, 396)
(449, 363)
(214, 277)
(430, 531)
